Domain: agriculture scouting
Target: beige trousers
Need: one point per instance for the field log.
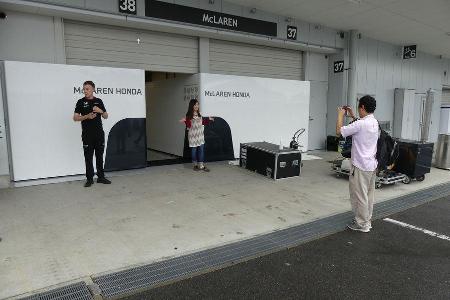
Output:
(362, 194)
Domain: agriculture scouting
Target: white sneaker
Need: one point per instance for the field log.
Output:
(356, 227)
(370, 223)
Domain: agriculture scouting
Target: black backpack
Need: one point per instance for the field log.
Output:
(347, 147)
(387, 150)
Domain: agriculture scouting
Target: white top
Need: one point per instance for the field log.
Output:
(196, 134)
(364, 134)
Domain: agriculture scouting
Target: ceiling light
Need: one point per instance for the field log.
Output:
(253, 10)
(288, 20)
(447, 33)
(211, 1)
(355, 1)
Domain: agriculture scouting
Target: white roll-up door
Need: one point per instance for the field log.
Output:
(98, 45)
(252, 60)
(446, 96)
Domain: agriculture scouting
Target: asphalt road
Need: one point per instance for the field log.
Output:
(390, 262)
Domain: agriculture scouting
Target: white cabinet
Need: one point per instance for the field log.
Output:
(407, 114)
(444, 125)
(412, 114)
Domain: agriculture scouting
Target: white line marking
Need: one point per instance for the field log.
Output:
(426, 231)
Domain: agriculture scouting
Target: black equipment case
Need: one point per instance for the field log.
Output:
(268, 160)
(414, 159)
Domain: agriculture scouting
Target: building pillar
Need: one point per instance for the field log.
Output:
(203, 55)
(60, 49)
(352, 68)
(4, 149)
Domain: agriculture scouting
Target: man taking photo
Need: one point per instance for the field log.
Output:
(364, 133)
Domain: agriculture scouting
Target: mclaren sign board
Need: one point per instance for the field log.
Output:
(192, 15)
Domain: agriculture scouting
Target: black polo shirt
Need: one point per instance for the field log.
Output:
(85, 106)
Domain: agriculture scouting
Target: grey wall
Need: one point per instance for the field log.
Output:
(252, 60)
(316, 67)
(31, 37)
(307, 33)
(337, 89)
(112, 46)
(380, 70)
(98, 5)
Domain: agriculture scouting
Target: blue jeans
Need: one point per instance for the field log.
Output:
(198, 154)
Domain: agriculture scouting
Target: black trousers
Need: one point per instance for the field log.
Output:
(94, 143)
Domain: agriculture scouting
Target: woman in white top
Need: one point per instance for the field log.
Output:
(195, 124)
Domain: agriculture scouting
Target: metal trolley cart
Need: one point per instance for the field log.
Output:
(338, 168)
(342, 168)
(390, 177)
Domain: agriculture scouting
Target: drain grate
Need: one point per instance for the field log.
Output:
(76, 291)
(140, 278)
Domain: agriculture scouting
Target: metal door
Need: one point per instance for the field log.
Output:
(318, 115)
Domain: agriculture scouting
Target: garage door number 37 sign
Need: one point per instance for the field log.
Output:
(291, 32)
(127, 6)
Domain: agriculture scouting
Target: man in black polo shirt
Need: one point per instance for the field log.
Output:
(89, 111)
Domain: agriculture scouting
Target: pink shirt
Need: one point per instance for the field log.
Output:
(364, 134)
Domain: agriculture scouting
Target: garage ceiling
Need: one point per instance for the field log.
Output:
(400, 22)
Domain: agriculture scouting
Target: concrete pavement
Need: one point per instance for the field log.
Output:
(390, 262)
(61, 232)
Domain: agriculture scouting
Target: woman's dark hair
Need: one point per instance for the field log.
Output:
(190, 112)
(369, 103)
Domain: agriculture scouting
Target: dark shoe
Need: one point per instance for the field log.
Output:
(103, 180)
(196, 168)
(89, 183)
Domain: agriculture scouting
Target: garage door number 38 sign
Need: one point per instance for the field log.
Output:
(127, 6)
